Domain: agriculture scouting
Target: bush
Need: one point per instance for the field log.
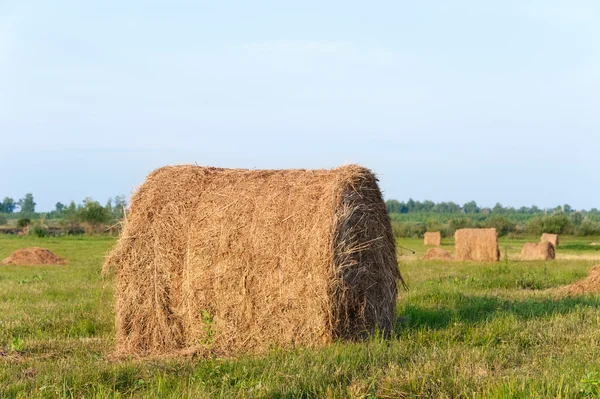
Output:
(589, 228)
(39, 231)
(502, 225)
(3, 220)
(23, 222)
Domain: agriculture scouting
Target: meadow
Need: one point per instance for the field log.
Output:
(464, 330)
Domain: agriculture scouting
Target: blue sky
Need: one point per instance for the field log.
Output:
(454, 101)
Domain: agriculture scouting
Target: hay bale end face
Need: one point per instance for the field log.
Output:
(433, 238)
(437, 254)
(230, 260)
(480, 245)
(33, 256)
(538, 251)
(551, 238)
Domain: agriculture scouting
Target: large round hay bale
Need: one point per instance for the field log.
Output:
(551, 238)
(233, 260)
(433, 238)
(538, 251)
(480, 245)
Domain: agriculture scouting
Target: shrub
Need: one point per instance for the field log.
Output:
(3, 220)
(23, 222)
(502, 225)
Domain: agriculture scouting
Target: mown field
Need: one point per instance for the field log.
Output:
(465, 330)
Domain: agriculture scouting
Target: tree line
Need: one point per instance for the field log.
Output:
(89, 215)
(414, 218)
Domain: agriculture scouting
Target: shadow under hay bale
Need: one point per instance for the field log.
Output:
(480, 245)
(230, 260)
(538, 251)
(33, 256)
(438, 254)
(551, 238)
(433, 238)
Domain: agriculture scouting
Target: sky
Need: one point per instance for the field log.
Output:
(446, 101)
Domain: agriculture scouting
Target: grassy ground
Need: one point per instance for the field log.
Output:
(465, 330)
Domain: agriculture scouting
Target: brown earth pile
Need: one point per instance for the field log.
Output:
(33, 256)
(538, 251)
(223, 261)
(480, 245)
(589, 285)
(551, 238)
(433, 238)
(437, 254)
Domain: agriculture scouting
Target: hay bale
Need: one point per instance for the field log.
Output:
(231, 260)
(589, 285)
(538, 251)
(480, 245)
(437, 254)
(551, 238)
(33, 256)
(433, 238)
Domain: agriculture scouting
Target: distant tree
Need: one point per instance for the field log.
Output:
(71, 215)
(8, 205)
(498, 208)
(576, 218)
(60, 207)
(27, 204)
(471, 207)
(119, 207)
(93, 213)
(109, 208)
(502, 225)
(393, 206)
(567, 208)
(427, 206)
(2, 220)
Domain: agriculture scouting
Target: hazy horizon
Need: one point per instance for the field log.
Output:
(446, 102)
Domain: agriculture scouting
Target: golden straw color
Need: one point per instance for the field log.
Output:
(480, 245)
(433, 238)
(538, 251)
(437, 254)
(224, 261)
(551, 238)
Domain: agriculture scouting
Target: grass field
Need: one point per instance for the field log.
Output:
(464, 330)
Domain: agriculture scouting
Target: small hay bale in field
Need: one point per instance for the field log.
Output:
(437, 254)
(480, 245)
(225, 261)
(551, 238)
(538, 251)
(33, 256)
(433, 238)
(589, 285)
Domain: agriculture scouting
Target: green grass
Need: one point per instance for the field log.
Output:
(465, 330)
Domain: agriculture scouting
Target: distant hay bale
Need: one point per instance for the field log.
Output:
(538, 251)
(551, 238)
(433, 238)
(480, 245)
(33, 256)
(437, 254)
(589, 285)
(224, 261)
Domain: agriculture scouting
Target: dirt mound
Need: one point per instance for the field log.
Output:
(538, 251)
(433, 238)
(438, 254)
(589, 285)
(33, 256)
